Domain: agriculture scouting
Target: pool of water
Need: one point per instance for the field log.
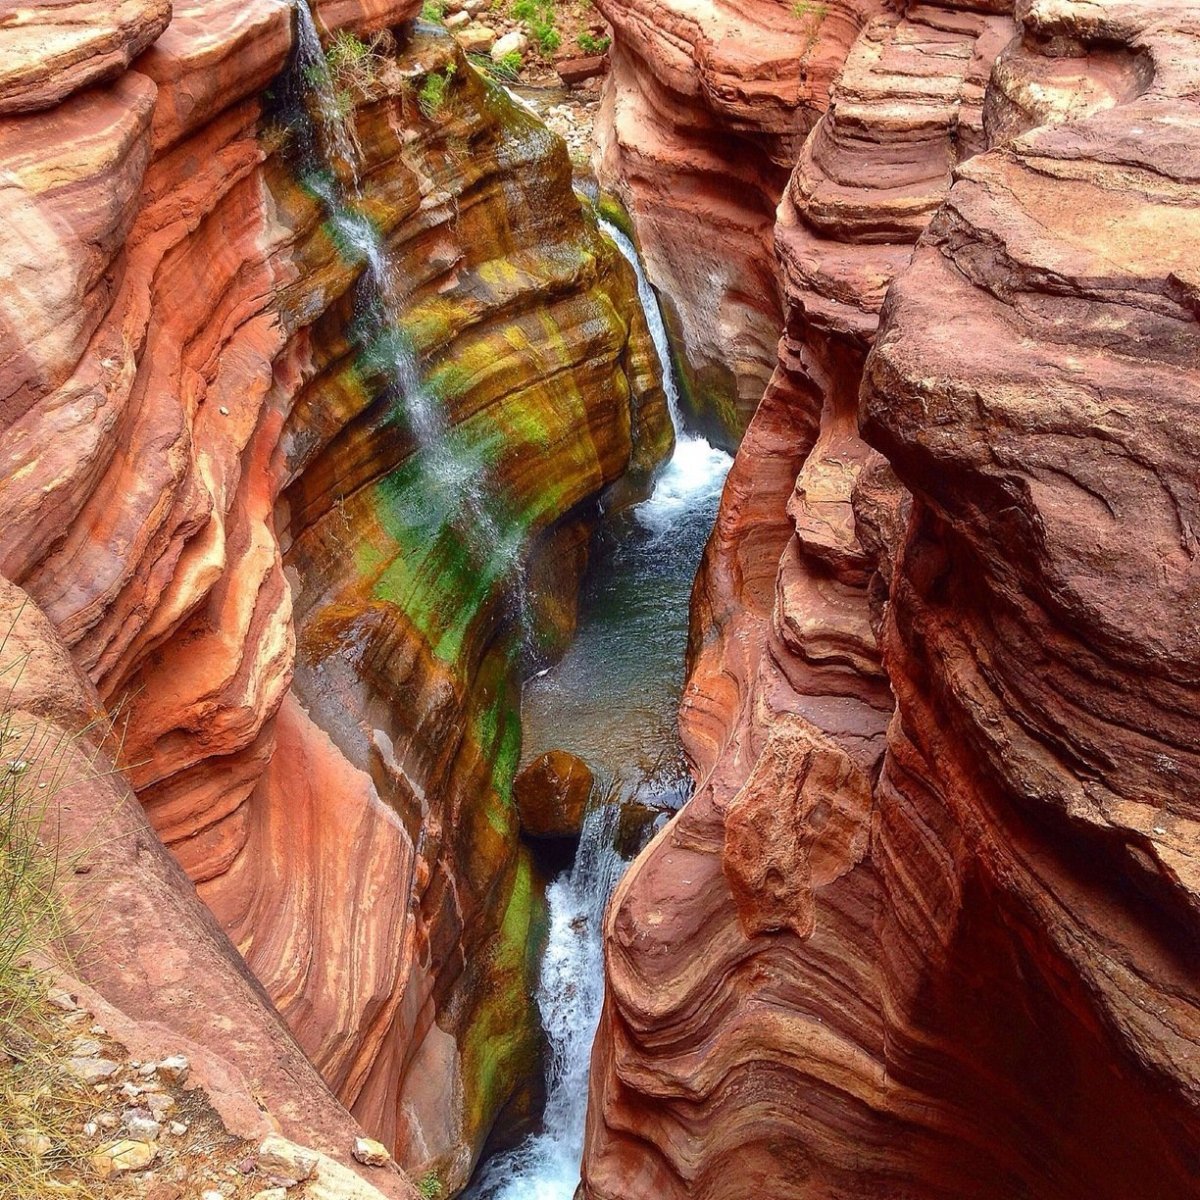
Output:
(613, 698)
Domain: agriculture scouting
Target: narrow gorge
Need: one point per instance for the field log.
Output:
(659, 665)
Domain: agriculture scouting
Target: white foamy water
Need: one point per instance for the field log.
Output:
(599, 688)
(697, 470)
(570, 993)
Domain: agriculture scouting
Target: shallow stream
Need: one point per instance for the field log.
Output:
(612, 699)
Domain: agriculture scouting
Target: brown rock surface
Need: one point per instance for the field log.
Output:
(206, 490)
(169, 978)
(552, 794)
(703, 113)
(990, 990)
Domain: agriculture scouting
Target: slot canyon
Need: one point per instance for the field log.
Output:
(659, 661)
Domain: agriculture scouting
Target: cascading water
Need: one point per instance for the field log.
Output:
(454, 479)
(570, 992)
(697, 470)
(612, 698)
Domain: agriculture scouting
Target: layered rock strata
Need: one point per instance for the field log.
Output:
(217, 488)
(166, 979)
(702, 117)
(950, 951)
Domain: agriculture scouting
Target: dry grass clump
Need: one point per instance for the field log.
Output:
(40, 1105)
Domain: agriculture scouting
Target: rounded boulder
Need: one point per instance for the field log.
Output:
(552, 794)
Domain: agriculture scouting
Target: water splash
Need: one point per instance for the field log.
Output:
(594, 702)
(570, 994)
(696, 473)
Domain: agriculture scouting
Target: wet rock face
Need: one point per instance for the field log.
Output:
(702, 116)
(208, 486)
(966, 631)
(552, 794)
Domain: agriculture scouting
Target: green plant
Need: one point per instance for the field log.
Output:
(40, 1105)
(589, 43)
(538, 18)
(508, 66)
(432, 96)
(429, 1187)
(434, 11)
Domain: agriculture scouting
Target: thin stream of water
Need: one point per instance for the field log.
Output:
(612, 699)
(453, 478)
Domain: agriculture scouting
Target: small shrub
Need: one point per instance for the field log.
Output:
(434, 11)
(429, 1187)
(509, 65)
(432, 97)
(39, 1103)
(548, 38)
(538, 19)
(812, 13)
(589, 43)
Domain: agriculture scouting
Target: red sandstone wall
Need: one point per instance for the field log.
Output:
(949, 949)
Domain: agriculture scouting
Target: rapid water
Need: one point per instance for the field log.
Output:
(613, 700)
(546, 1165)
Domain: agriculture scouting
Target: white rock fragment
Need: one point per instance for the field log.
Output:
(370, 1152)
(92, 1070)
(284, 1162)
(125, 1155)
(174, 1069)
(514, 42)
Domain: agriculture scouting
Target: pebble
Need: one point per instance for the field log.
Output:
(284, 1162)
(33, 1144)
(62, 1000)
(178, 1128)
(92, 1070)
(159, 1104)
(125, 1155)
(174, 1069)
(141, 1124)
(83, 1047)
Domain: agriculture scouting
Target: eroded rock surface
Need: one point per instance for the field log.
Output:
(211, 485)
(947, 950)
(703, 113)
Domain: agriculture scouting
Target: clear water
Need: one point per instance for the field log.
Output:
(614, 696)
(613, 700)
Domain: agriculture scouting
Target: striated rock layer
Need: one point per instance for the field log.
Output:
(213, 487)
(704, 111)
(949, 951)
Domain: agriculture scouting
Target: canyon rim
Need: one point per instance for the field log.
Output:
(804, 480)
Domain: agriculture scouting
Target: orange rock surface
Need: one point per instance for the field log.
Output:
(703, 114)
(205, 488)
(945, 950)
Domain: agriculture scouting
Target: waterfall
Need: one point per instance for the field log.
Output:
(696, 473)
(674, 524)
(570, 992)
(453, 473)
